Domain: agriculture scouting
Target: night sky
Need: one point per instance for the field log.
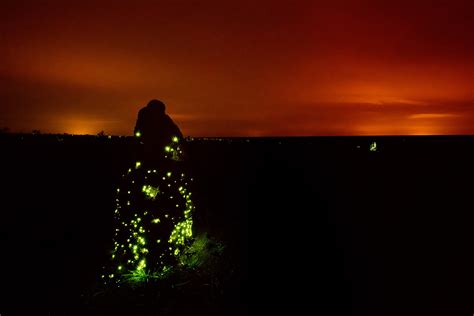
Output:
(239, 68)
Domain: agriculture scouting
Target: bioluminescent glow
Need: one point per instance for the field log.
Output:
(152, 205)
(150, 191)
(373, 146)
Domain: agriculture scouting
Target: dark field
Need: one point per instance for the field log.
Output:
(317, 226)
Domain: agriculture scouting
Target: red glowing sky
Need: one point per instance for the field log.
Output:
(239, 68)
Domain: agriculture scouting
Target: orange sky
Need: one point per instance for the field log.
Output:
(239, 68)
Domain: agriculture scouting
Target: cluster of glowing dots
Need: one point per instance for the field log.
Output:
(150, 191)
(174, 150)
(135, 248)
(183, 230)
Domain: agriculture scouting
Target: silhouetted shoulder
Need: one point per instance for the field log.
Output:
(140, 121)
(174, 129)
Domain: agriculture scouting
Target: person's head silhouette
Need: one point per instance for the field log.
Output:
(157, 105)
(154, 127)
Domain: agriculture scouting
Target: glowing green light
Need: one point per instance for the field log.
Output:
(167, 149)
(134, 250)
(181, 231)
(150, 191)
(141, 264)
(138, 134)
(175, 139)
(373, 146)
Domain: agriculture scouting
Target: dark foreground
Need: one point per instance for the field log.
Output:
(310, 225)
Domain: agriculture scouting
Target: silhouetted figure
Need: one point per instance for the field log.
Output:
(153, 216)
(156, 130)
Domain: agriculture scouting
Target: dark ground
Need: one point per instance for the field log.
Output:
(327, 228)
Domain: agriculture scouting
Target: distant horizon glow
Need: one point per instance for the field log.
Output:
(239, 68)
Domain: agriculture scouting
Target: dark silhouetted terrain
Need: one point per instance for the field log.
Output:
(319, 224)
